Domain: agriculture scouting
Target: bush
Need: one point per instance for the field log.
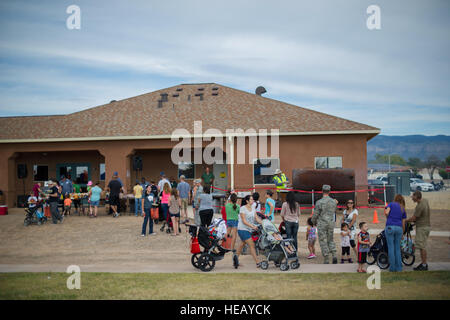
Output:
(444, 174)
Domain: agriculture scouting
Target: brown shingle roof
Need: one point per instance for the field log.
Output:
(140, 116)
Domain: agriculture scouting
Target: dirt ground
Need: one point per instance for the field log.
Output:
(105, 240)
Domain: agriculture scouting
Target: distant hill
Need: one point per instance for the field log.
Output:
(416, 146)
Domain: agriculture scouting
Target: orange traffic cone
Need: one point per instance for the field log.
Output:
(375, 217)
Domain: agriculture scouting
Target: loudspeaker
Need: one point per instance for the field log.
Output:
(22, 171)
(137, 163)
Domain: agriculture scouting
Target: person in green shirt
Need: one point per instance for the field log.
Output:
(207, 178)
(76, 200)
(232, 210)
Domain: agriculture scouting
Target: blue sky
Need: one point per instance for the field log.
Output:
(315, 54)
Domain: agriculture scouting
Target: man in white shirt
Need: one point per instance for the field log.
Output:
(162, 182)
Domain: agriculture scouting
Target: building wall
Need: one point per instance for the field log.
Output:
(296, 152)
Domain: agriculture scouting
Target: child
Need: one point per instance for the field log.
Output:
(363, 245)
(311, 237)
(32, 200)
(345, 243)
(67, 204)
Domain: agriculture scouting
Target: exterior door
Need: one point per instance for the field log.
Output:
(220, 172)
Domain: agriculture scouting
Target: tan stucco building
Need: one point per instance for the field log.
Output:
(94, 143)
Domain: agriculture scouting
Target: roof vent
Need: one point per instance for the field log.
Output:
(175, 95)
(112, 101)
(260, 90)
(201, 89)
(179, 89)
(215, 94)
(215, 88)
(199, 95)
(164, 97)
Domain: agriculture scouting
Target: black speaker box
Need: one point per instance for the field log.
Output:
(137, 163)
(22, 171)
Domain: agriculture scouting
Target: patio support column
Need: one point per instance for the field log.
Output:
(7, 177)
(118, 159)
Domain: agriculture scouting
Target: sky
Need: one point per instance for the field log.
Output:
(315, 54)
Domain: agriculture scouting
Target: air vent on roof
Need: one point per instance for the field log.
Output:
(160, 104)
(112, 101)
(215, 94)
(179, 89)
(260, 90)
(201, 89)
(175, 95)
(164, 97)
(215, 88)
(199, 95)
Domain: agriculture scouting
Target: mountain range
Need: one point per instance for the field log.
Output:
(412, 146)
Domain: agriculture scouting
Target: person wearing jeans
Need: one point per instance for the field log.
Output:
(395, 225)
(290, 213)
(146, 204)
(137, 190)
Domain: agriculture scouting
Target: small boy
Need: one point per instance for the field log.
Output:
(32, 200)
(67, 205)
(363, 246)
(345, 243)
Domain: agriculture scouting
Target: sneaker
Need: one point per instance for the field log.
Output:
(310, 256)
(421, 267)
(342, 260)
(235, 261)
(326, 260)
(179, 230)
(153, 234)
(350, 260)
(142, 235)
(334, 260)
(62, 219)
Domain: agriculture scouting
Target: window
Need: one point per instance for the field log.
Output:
(264, 169)
(328, 162)
(40, 172)
(102, 172)
(186, 169)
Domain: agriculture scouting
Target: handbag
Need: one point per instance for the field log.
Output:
(195, 247)
(226, 243)
(47, 212)
(154, 212)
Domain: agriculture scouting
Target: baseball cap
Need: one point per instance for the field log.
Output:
(116, 173)
(326, 187)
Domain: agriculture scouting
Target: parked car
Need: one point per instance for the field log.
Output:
(419, 184)
(374, 182)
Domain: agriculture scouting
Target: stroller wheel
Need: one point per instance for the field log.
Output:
(194, 260)
(206, 262)
(264, 265)
(284, 266)
(26, 223)
(371, 258)
(295, 265)
(235, 261)
(383, 260)
(408, 259)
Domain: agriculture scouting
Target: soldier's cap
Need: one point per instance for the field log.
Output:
(326, 187)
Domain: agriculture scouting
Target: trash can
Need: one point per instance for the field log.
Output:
(3, 210)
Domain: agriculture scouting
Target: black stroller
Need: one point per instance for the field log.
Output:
(35, 215)
(212, 250)
(379, 250)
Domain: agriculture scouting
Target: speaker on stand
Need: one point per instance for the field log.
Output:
(22, 174)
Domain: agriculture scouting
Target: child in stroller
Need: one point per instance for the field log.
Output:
(210, 239)
(277, 249)
(35, 211)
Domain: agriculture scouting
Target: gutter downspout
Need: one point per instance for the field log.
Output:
(231, 144)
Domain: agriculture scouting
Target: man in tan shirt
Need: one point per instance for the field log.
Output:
(423, 227)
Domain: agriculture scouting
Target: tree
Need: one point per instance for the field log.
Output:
(394, 159)
(447, 161)
(444, 174)
(432, 163)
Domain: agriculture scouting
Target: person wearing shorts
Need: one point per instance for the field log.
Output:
(174, 211)
(232, 211)
(184, 191)
(246, 225)
(421, 218)
(363, 246)
(114, 188)
(94, 197)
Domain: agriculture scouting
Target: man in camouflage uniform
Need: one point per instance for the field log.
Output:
(324, 218)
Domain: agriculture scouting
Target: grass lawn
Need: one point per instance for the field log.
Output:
(405, 285)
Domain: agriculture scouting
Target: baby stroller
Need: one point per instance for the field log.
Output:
(276, 248)
(35, 215)
(379, 250)
(210, 239)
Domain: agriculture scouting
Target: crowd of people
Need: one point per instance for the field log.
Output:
(170, 200)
